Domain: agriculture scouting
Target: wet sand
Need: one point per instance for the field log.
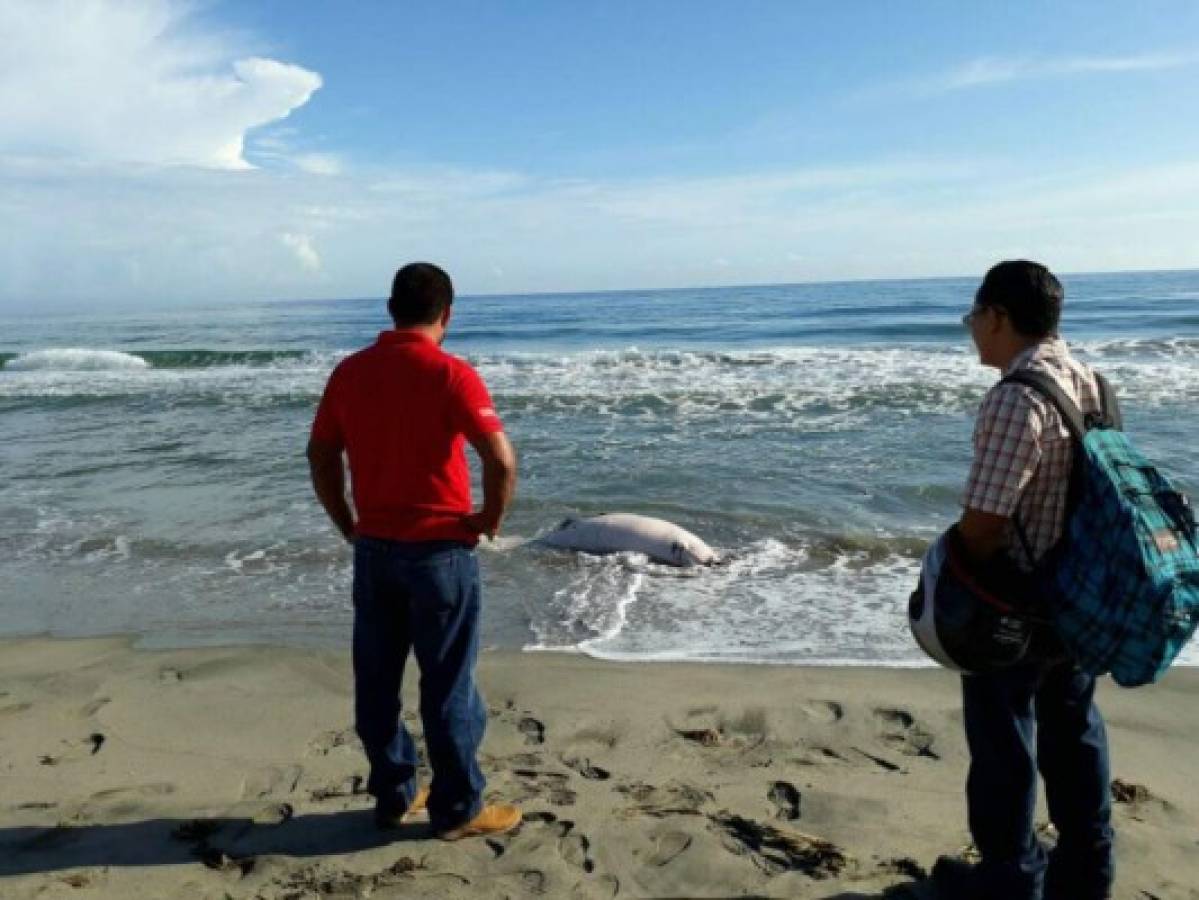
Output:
(214, 773)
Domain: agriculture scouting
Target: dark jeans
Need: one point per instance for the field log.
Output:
(1018, 720)
(422, 596)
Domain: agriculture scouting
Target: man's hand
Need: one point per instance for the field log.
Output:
(499, 483)
(983, 534)
(483, 523)
(328, 481)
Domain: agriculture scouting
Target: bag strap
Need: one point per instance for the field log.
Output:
(1110, 404)
(1077, 423)
(1047, 387)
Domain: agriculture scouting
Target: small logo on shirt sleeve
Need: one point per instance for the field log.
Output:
(487, 412)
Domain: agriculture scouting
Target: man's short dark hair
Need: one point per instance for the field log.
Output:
(420, 293)
(1028, 292)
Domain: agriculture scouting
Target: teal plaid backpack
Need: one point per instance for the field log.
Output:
(1122, 584)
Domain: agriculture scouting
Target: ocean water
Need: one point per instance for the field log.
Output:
(152, 472)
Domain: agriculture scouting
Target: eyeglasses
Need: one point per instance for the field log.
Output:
(975, 311)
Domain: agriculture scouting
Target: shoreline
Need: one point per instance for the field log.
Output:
(163, 643)
(234, 771)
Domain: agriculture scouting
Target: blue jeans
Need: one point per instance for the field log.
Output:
(422, 596)
(1018, 720)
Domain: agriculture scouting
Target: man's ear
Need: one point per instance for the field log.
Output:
(999, 322)
(446, 313)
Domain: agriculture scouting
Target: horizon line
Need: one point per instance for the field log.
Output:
(213, 305)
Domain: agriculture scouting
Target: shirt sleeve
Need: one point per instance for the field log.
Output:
(327, 426)
(1007, 451)
(471, 409)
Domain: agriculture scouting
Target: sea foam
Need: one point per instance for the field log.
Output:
(75, 360)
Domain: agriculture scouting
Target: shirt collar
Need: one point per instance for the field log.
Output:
(397, 336)
(1050, 346)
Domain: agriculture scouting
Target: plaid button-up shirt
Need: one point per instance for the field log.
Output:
(1023, 452)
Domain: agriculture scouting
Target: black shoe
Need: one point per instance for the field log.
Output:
(955, 879)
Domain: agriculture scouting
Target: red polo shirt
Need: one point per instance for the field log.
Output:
(403, 410)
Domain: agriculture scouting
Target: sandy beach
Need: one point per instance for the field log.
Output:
(214, 773)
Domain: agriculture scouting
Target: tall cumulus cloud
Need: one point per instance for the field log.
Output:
(103, 81)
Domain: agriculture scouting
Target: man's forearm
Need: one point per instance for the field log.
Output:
(328, 481)
(499, 484)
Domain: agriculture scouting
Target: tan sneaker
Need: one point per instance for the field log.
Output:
(419, 802)
(386, 818)
(492, 819)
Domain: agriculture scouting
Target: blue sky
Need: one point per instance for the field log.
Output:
(162, 153)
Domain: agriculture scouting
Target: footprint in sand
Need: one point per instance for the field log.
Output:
(705, 737)
(785, 796)
(526, 760)
(885, 764)
(607, 735)
(1128, 792)
(703, 725)
(1138, 800)
(574, 849)
(903, 733)
(905, 866)
(827, 753)
(638, 790)
(349, 787)
(600, 886)
(553, 785)
(668, 847)
(220, 861)
(343, 740)
(271, 781)
(76, 750)
(776, 849)
(557, 827)
(532, 729)
(674, 799)
(533, 881)
(135, 792)
(125, 801)
(586, 769)
(94, 707)
(826, 711)
(273, 814)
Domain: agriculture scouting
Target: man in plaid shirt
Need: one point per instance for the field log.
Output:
(1041, 713)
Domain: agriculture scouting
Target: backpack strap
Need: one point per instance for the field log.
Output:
(1048, 388)
(1110, 404)
(1076, 422)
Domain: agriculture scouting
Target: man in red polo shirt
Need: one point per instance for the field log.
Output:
(402, 411)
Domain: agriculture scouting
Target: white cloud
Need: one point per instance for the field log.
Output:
(991, 70)
(154, 235)
(443, 182)
(113, 81)
(319, 163)
(305, 253)
(282, 146)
